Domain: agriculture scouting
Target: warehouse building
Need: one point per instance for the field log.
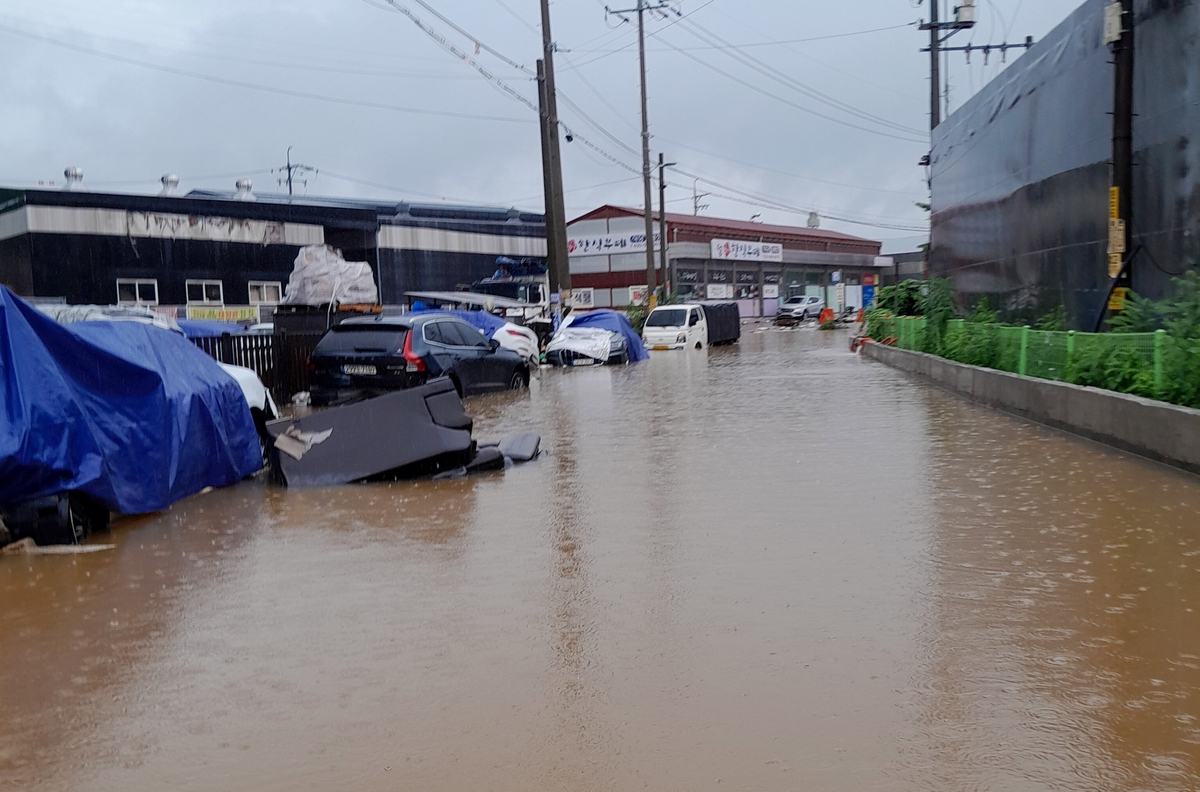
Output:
(226, 255)
(709, 258)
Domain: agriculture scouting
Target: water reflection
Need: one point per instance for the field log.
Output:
(1062, 641)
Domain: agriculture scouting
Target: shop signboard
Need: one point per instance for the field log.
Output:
(868, 296)
(771, 291)
(747, 278)
(720, 291)
(243, 313)
(690, 275)
(610, 244)
(718, 276)
(737, 250)
(583, 299)
(639, 295)
(868, 280)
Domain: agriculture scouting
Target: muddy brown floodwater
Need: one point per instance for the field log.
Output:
(768, 567)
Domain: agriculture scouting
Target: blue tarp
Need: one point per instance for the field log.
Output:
(204, 328)
(482, 321)
(615, 322)
(133, 415)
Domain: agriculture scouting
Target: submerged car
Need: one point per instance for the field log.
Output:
(592, 337)
(511, 336)
(368, 356)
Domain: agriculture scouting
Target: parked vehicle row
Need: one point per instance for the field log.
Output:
(366, 356)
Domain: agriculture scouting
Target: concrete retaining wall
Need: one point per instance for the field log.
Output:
(1153, 429)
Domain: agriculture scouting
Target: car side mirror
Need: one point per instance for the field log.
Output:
(695, 320)
(493, 345)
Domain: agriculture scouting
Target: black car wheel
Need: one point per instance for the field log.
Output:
(518, 381)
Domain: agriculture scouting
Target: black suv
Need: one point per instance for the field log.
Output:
(365, 356)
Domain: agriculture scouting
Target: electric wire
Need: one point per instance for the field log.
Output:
(795, 105)
(754, 44)
(256, 86)
(703, 34)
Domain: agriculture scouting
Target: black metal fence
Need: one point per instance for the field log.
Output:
(280, 361)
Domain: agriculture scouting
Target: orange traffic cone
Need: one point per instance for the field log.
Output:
(826, 315)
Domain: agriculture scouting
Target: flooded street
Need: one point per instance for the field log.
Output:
(766, 567)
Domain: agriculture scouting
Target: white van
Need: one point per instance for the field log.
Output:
(676, 327)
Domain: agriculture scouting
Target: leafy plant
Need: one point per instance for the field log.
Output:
(637, 316)
(937, 306)
(1054, 321)
(981, 314)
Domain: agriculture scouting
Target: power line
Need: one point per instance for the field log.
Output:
(770, 203)
(786, 80)
(747, 197)
(771, 43)
(790, 103)
(255, 86)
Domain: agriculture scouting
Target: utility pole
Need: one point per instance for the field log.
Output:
(662, 220)
(642, 7)
(291, 170)
(1120, 234)
(696, 196)
(964, 19)
(935, 67)
(556, 220)
(547, 182)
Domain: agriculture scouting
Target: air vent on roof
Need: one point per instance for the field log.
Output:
(244, 187)
(170, 183)
(74, 177)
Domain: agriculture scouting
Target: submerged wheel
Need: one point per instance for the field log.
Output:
(518, 381)
(699, 345)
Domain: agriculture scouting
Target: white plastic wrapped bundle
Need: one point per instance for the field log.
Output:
(321, 276)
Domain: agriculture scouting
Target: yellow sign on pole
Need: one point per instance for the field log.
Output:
(1117, 301)
(1114, 203)
(1114, 264)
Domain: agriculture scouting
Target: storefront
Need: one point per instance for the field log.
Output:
(754, 264)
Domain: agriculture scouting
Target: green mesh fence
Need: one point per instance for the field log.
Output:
(1129, 362)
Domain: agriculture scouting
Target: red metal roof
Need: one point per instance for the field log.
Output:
(738, 228)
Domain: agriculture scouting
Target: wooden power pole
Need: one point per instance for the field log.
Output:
(558, 262)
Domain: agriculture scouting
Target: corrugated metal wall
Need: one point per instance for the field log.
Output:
(1020, 173)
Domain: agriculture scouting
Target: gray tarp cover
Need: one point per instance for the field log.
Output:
(1020, 173)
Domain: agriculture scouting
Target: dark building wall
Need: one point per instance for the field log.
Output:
(15, 269)
(85, 269)
(1020, 174)
(401, 271)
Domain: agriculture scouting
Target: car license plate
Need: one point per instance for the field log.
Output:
(359, 371)
(583, 361)
(660, 348)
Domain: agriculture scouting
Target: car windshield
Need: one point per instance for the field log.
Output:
(348, 339)
(672, 317)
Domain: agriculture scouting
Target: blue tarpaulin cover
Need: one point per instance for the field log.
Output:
(133, 415)
(205, 328)
(615, 322)
(482, 321)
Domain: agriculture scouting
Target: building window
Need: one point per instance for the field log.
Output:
(205, 292)
(265, 292)
(133, 291)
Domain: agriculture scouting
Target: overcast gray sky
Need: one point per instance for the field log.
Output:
(131, 89)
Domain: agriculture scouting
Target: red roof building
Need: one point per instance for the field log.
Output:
(712, 258)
